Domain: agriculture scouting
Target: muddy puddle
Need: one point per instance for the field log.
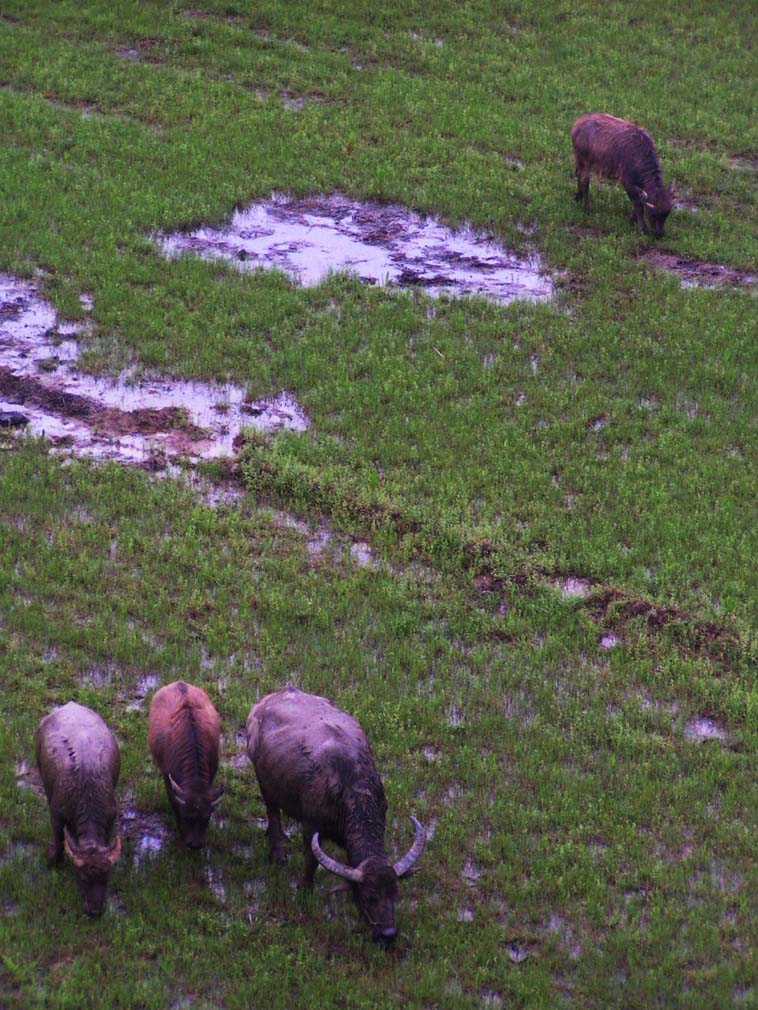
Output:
(129, 420)
(702, 729)
(380, 243)
(147, 831)
(694, 273)
(572, 587)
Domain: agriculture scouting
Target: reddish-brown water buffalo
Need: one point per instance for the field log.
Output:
(184, 733)
(618, 149)
(79, 762)
(314, 762)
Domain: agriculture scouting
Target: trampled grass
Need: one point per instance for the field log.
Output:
(590, 848)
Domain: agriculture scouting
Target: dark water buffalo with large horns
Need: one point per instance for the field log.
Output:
(314, 762)
(79, 762)
(184, 733)
(618, 149)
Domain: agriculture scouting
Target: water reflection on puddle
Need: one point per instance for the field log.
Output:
(381, 243)
(124, 419)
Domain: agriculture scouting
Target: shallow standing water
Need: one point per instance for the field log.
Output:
(124, 418)
(381, 243)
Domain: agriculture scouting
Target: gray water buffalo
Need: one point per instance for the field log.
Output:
(313, 761)
(79, 762)
(184, 732)
(619, 149)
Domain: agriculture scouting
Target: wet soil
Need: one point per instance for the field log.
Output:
(28, 777)
(381, 243)
(699, 273)
(148, 832)
(701, 729)
(143, 422)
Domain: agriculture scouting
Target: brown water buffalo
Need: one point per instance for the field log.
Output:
(184, 733)
(79, 761)
(314, 762)
(618, 149)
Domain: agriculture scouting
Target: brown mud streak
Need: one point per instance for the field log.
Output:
(614, 608)
(108, 420)
(692, 271)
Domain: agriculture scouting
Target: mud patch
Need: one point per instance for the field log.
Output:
(702, 729)
(143, 422)
(572, 587)
(145, 685)
(381, 243)
(28, 777)
(147, 831)
(615, 608)
(694, 273)
(215, 880)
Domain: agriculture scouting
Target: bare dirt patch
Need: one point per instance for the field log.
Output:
(28, 777)
(130, 420)
(694, 273)
(381, 243)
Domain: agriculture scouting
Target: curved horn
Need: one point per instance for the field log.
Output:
(643, 194)
(217, 796)
(114, 851)
(651, 205)
(403, 866)
(333, 866)
(178, 791)
(72, 848)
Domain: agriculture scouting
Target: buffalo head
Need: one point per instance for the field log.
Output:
(93, 863)
(193, 811)
(657, 209)
(374, 883)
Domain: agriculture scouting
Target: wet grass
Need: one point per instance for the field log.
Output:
(593, 808)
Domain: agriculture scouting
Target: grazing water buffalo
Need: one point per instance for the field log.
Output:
(314, 762)
(618, 149)
(184, 732)
(79, 762)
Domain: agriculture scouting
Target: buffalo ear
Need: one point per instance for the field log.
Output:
(73, 851)
(114, 851)
(218, 792)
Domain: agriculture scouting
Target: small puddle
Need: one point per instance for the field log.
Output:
(215, 880)
(694, 273)
(381, 243)
(609, 641)
(144, 686)
(572, 587)
(28, 777)
(700, 730)
(472, 871)
(123, 419)
(148, 832)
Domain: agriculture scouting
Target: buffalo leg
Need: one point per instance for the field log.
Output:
(275, 833)
(638, 215)
(583, 187)
(311, 863)
(55, 852)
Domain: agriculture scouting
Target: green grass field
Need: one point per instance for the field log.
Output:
(588, 849)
